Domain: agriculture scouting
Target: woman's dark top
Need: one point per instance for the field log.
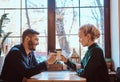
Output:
(17, 65)
(94, 67)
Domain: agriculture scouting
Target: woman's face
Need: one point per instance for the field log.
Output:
(82, 38)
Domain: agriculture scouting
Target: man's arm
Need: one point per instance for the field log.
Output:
(18, 63)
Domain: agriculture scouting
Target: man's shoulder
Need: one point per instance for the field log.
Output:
(14, 52)
(16, 48)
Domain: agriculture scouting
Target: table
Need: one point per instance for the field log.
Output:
(56, 76)
(112, 75)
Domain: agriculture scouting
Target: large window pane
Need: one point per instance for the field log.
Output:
(34, 3)
(13, 25)
(67, 3)
(91, 3)
(10, 3)
(92, 15)
(68, 20)
(36, 19)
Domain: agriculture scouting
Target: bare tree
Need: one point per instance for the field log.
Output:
(61, 35)
(63, 42)
(27, 14)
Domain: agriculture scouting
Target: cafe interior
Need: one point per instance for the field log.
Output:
(58, 22)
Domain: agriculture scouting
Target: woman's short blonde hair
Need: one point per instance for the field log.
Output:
(90, 29)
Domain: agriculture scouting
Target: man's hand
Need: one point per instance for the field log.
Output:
(63, 59)
(51, 58)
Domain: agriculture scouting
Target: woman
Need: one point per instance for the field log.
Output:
(92, 66)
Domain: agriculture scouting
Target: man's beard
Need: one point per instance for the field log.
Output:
(31, 45)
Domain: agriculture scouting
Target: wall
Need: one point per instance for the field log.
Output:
(115, 32)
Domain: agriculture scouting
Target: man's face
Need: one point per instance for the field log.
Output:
(33, 42)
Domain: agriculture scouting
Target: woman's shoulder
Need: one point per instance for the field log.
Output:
(96, 50)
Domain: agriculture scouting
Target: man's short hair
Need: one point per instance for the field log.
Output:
(29, 32)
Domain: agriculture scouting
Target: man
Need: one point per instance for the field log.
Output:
(20, 62)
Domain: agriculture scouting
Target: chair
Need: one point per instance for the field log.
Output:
(2, 80)
(118, 74)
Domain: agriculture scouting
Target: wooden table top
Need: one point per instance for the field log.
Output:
(56, 76)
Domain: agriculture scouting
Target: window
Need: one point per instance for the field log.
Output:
(57, 21)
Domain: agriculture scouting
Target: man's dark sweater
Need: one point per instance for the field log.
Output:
(17, 65)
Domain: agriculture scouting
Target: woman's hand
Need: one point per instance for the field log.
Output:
(78, 65)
